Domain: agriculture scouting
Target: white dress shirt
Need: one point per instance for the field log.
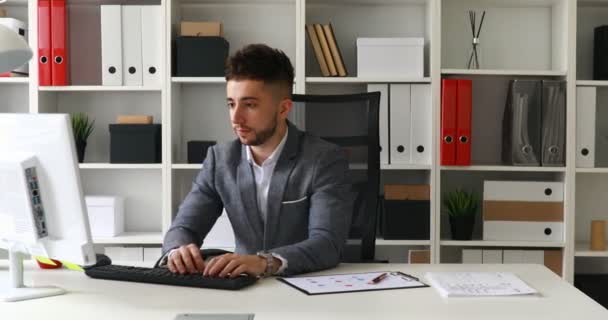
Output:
(263, 176)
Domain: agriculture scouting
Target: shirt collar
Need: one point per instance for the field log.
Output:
(274, 155)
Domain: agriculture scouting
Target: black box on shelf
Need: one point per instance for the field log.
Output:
(406, 220)
(135, 143)
(200, 56)
(197, 150)
(600, 51)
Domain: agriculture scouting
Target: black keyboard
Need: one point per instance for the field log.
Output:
(164, 276)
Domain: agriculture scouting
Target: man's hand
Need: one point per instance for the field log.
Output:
(186, 259)
(232, 265)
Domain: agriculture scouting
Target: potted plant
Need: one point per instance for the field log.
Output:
(461, 207)
(82, 127)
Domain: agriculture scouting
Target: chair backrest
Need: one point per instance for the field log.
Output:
(351, 122)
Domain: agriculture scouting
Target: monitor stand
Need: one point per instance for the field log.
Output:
(16, 291)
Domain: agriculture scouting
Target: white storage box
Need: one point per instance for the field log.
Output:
(106, 215)
(390, 57)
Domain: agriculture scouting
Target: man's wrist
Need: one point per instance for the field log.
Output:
(270, 264)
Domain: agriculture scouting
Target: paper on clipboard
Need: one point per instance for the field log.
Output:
(478, 284)
(354, 282)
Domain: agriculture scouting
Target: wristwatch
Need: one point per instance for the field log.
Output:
(269, 263)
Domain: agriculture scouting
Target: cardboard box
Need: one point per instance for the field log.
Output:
(106, 215)
(419, 256)
(2, 12)
(134, 119)
(202, 29)
(407, 192)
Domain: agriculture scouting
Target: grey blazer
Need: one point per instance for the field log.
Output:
(310, 203)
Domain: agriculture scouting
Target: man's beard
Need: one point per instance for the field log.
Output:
(263, 135)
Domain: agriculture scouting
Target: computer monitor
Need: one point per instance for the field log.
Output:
(42, 210)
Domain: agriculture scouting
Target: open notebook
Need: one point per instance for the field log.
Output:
(478, 284)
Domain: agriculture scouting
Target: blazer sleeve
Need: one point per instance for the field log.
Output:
(330, 214)
(199, 210)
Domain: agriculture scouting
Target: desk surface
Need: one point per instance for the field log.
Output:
(270, 299)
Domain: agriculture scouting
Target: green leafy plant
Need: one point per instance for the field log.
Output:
(460, 203)
(82, 126)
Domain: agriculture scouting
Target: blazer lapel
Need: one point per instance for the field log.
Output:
(278, 183)
(246, 184)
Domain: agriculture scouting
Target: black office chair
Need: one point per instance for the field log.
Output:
(351, 121)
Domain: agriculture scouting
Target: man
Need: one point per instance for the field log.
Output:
(285, 191)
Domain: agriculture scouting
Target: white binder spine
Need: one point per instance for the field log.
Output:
(151, 44)
(585, 126)
(421, 120)
(383, 123)
(400, 115)
(131, 45)
(111, 45)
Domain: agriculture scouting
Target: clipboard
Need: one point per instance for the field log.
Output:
(352, 282)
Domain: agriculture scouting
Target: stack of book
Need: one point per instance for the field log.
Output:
(326, 50)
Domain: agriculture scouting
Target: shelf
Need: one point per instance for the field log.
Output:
(14, 80)
(132, 238)
(155, 166)
(490, 72)
(592, 83)
(384, 166)
(503, 168)
(382, 242)
(198, 80)
(186, 166)
(592, 170)
(581, 249)
(396, 166)
(488, 243)
(366, 80)
(15, 3)
(99, 89)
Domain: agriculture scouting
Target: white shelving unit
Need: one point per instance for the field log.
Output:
(506, 244)
(97, 88)
(530, 39)
(503, 168)
(499, 72)
(365, 80)
(582, 250)
(137, 238)
(14, 80)
(198, 80)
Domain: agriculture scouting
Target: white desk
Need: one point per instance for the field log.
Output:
(92, 299)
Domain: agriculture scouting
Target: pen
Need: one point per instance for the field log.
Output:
(378, 278)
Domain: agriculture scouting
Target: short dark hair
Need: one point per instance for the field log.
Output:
(261, 62)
